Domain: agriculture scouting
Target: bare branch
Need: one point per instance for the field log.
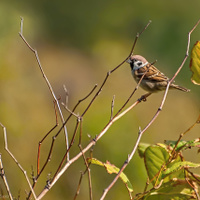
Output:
(15, 160)
(47, 82)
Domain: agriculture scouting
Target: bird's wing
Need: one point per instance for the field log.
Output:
(152, 73)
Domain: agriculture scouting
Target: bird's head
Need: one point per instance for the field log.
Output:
(136, 62)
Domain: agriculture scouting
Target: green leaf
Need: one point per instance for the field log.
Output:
(182, 145)
(110, 168)
(178, 190)
(179, 165)
(195, 63)
(141, 149)
(155, 157)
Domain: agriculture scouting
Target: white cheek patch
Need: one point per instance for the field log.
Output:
(136, 67)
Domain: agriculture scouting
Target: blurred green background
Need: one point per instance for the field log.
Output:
(78, 43)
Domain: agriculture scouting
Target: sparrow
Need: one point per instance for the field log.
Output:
(153, 80)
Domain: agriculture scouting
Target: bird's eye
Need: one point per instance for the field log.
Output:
(139, 63)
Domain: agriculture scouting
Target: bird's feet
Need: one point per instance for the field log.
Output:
(144, 97)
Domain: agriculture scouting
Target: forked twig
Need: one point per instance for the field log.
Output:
(15, 160)
(47, 82)
(152, 120)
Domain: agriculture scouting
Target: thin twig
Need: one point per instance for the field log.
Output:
(133, 46)
(112, 107)
(41, 141)
(65, 106)
(152, 120)
(80, 132)
(38, 155)
(47, 82)
(79, 185)
(70, 145)
(89, 173)
(180, 137)
(3, 176)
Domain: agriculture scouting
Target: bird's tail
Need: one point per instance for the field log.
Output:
(179, 88)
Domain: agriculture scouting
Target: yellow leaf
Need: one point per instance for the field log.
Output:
(195, 63)
(110, 168)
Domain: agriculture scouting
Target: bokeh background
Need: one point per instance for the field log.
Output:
(78, 43)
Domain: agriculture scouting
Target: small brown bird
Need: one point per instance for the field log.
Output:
(153, 80)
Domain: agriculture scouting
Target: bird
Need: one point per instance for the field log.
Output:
(153, 80)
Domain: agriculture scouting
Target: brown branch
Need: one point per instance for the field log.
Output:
(89, 172)
(79, 185)
(152, 120)
(80, 180)
(38, 155)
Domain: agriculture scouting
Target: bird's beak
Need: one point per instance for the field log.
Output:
(129, 61)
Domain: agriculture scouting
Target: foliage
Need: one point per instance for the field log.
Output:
(195, 63)
(168, 173)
